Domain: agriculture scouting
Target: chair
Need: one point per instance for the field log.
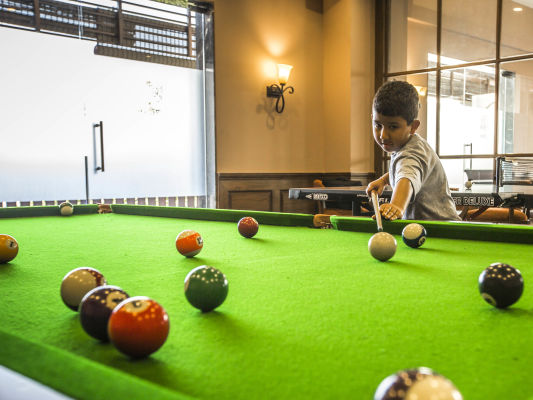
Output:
(493, 214)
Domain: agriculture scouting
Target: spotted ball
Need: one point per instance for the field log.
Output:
(501, 285)
(417, 384)
(414, 235)
(189, 243)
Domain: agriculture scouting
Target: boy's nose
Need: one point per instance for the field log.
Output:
(383, 134)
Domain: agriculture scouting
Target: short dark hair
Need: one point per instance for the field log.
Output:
(397, 98)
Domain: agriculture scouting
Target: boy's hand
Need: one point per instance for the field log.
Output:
(378, 185)
(390, 211)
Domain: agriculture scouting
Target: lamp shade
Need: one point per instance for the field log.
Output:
(284, 71)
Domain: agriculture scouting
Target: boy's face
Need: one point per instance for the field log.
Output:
(392, 133)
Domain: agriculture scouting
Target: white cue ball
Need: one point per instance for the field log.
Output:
(382, 246)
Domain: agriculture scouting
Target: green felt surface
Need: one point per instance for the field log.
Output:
(309, 314)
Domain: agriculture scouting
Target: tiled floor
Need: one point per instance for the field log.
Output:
(14, 386)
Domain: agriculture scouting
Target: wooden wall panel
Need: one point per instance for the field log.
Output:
(257, 200)
(296, 206)
(270, 192)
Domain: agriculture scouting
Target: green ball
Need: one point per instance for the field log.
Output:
(206, 288)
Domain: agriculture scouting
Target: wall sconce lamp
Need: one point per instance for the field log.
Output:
(277, 91)
(422, 90)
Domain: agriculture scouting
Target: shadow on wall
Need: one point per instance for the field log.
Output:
(268, 107)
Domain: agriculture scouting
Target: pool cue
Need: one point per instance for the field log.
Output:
(375, 203)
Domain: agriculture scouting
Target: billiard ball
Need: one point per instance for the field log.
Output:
(382, 246)
(206, 288)
(138, 326)
(66, 208)
(9, 248)
(420, 383)
(77, 283)
(468, 185)
(96, 307)
(414, 235)
(501, 285)
(248, 227)
(189, 243)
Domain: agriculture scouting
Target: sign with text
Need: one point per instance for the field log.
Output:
(487, 201)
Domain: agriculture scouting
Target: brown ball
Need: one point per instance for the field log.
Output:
(248, 227)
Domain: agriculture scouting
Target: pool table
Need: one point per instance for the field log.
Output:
(309, 313)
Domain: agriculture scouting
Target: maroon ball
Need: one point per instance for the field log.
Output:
(96, 308)
(248, 227)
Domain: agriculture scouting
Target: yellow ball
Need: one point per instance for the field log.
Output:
(9, 248)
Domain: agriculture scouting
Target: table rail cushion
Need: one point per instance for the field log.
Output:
(54, 367)
(209, 214)
(45, 211)
(443, 229)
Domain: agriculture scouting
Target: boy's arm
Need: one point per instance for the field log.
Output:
(400, 199)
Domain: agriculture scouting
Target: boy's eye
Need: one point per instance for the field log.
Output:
(377, 125)
(391, 127)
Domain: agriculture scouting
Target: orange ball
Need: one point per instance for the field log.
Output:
(138, 326)
(9, 248)
(189, 243)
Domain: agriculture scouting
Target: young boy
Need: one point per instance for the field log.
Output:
(419, 183)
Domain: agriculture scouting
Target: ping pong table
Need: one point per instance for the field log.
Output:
(481, 196)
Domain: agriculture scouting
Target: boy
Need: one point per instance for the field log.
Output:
(419, 183)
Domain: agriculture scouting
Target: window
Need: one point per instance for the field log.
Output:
(137, 77)
(472, 62)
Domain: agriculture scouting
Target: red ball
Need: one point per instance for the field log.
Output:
(138, 326)
(248, 227)
(189, 243)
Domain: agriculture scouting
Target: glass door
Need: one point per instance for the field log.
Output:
(144, 122)
(41, 145)
(79, 126)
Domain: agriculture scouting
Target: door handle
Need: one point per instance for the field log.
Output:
(101, 126)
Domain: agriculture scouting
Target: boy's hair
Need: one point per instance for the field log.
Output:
(397, 98)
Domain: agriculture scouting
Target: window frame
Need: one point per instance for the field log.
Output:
(382, 24)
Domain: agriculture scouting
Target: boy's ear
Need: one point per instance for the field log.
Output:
(414, 125)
